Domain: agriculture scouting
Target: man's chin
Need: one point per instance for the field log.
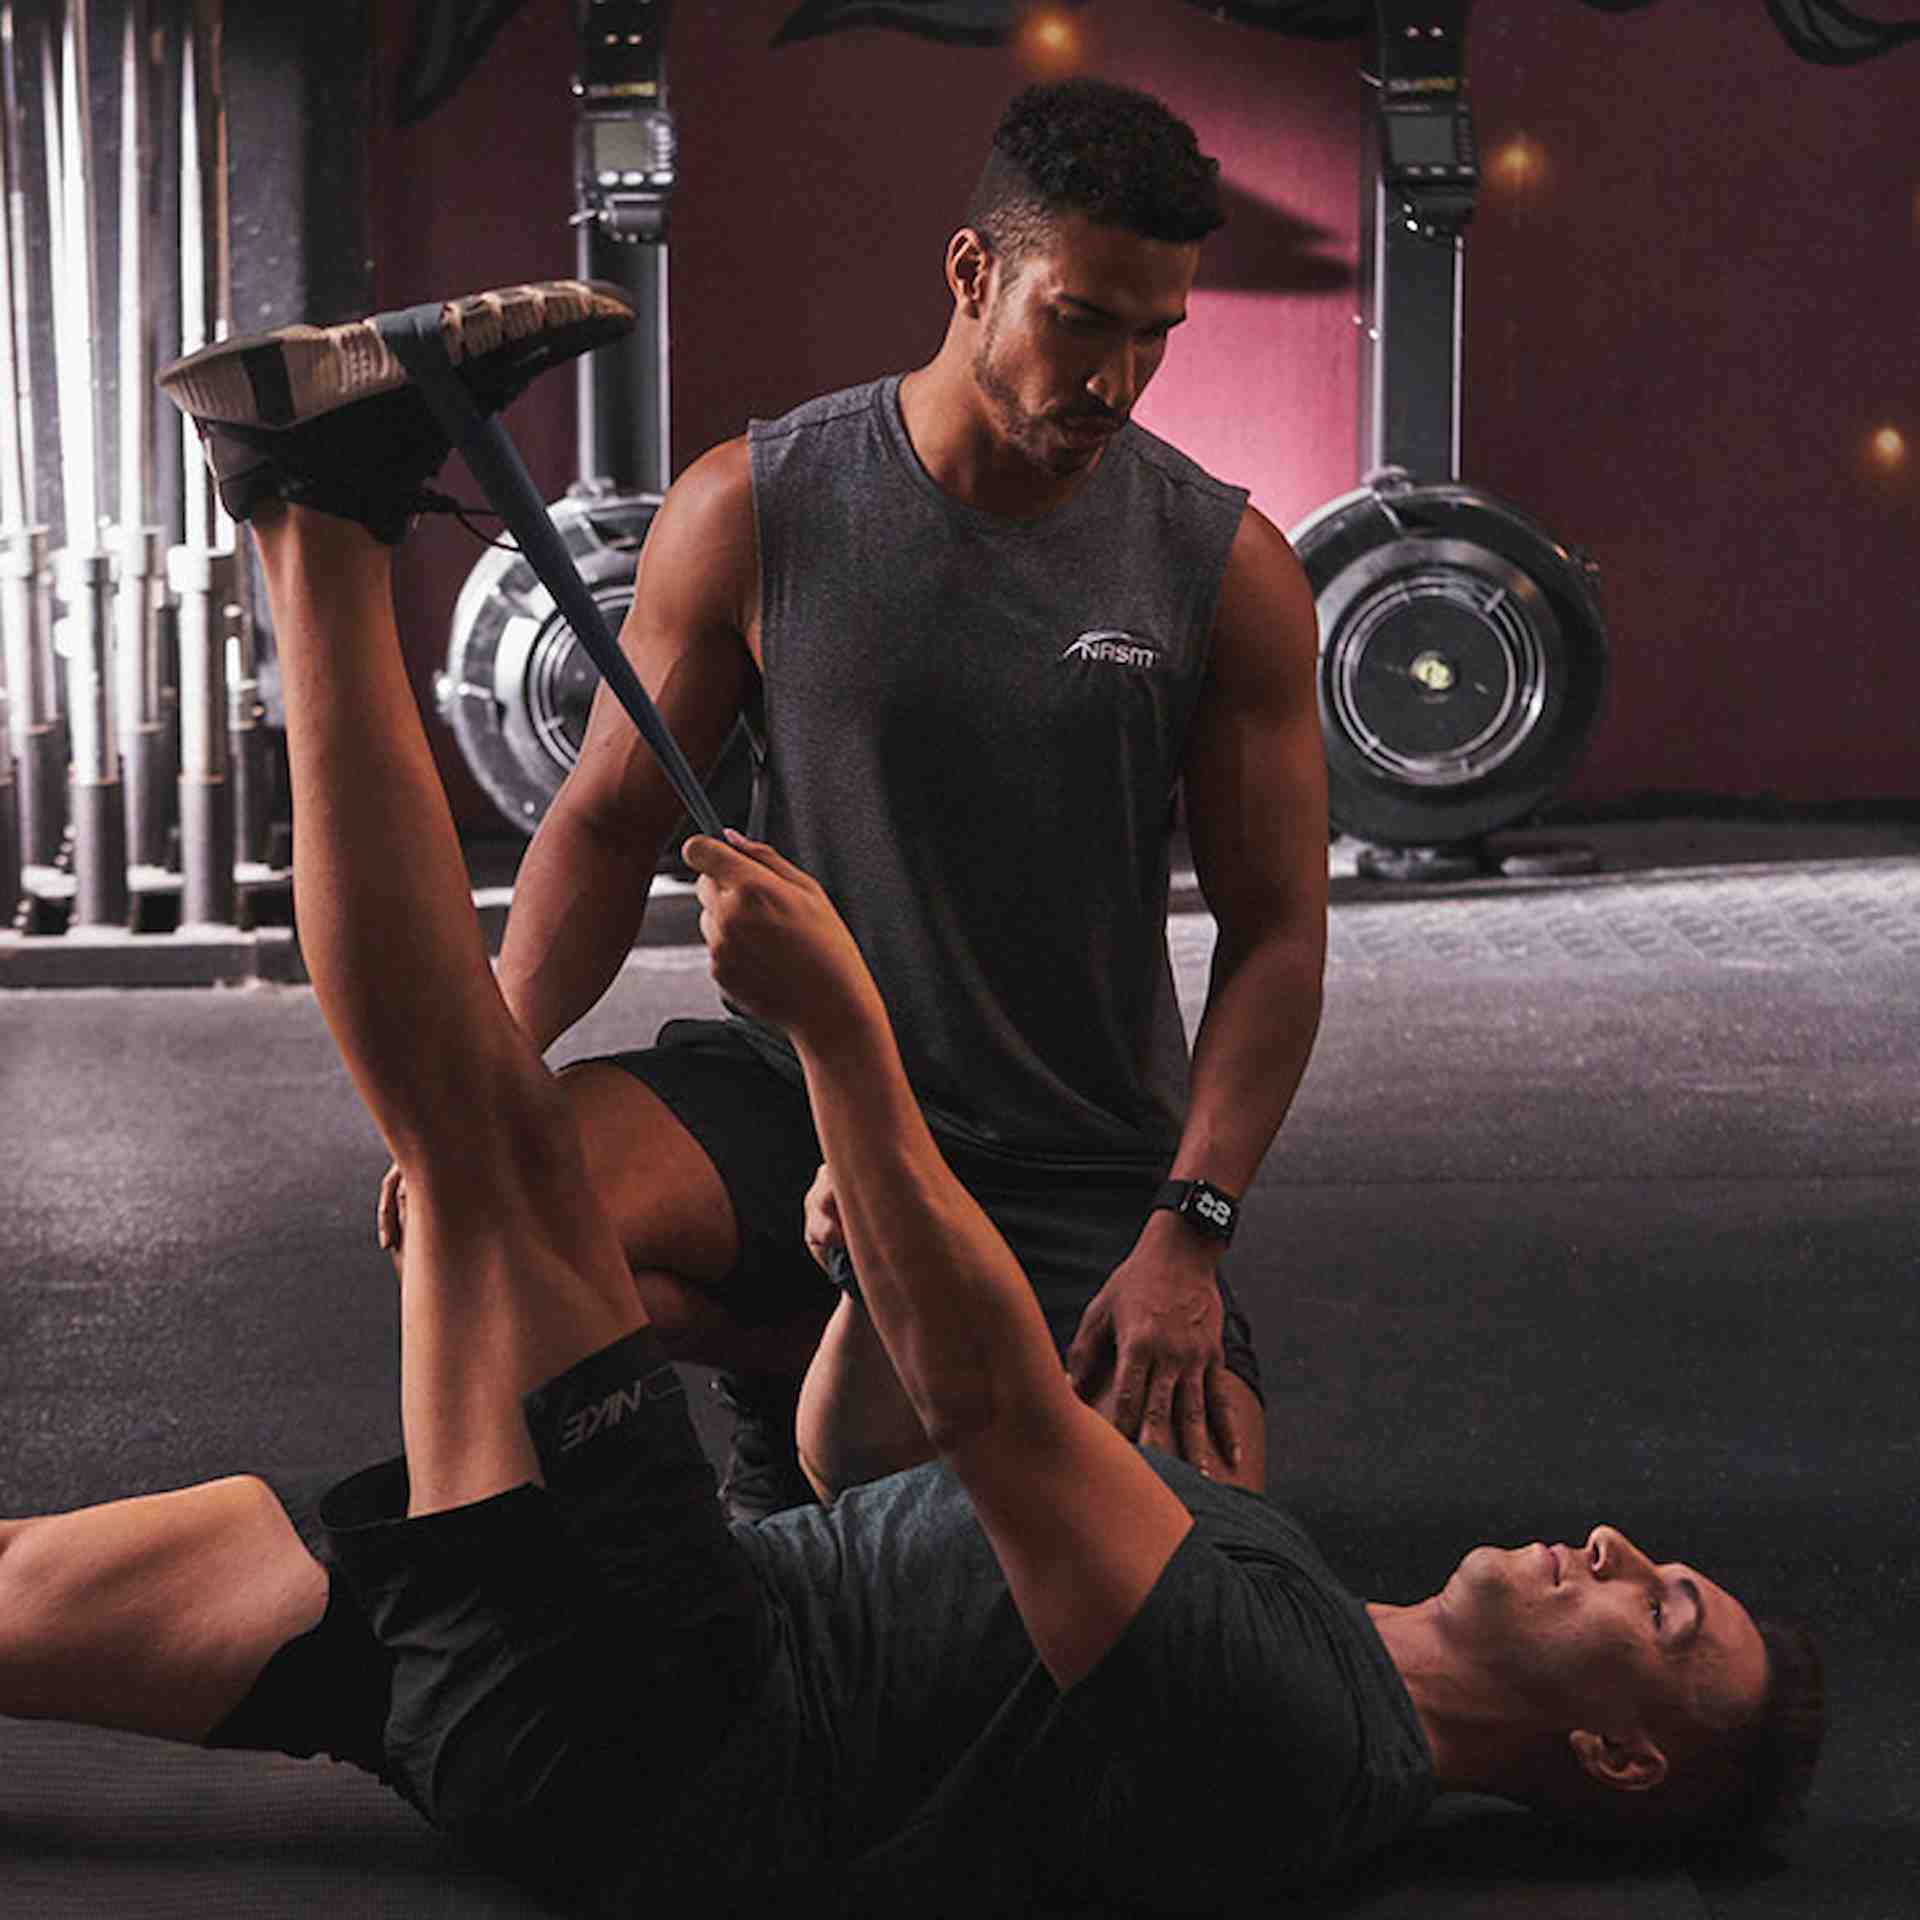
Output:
(1071, 453)
(1481, 1572)
(1073, 460)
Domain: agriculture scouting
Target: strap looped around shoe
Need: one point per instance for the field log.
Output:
(415, 339)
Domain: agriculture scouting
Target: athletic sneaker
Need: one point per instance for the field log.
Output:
(763, 1473)
(326, 416)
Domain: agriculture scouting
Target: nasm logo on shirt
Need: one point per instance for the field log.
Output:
(1114, 646)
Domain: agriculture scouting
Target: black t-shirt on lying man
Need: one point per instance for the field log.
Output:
(1247, 1735)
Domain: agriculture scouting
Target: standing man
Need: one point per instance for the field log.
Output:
(985, 630)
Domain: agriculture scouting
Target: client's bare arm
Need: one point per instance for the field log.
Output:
(855, 1422)
(1081, 1525)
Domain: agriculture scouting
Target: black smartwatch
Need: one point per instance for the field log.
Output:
(1202, 1206)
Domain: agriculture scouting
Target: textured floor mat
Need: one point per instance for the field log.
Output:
(1599, 1202)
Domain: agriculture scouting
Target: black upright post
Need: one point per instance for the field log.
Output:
(1412, 392)
(9, 825)
(297, 89)
(625, 171)
(1420, 182)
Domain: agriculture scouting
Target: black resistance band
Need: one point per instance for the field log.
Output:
(415, 340)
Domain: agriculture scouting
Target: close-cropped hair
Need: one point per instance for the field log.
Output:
(1775, 1751)
(1744, 1789)
(1115, 155)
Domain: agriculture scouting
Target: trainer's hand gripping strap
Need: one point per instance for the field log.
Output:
(416, 342)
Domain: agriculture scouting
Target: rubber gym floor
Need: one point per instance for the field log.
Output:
(1598, 1202)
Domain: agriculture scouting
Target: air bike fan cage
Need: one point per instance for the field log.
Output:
(1463, 657)
(518, 686)
(1462, 660)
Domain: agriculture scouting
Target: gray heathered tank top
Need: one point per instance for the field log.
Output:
(973, 734)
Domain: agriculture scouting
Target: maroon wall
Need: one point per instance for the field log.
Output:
(1680, 340)
(808, 253)
(475, 196)
(1682, 325)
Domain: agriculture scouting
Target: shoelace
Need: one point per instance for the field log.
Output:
(431, 500)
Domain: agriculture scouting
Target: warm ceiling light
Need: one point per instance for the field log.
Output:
(1887, 449)
(1049, 41)
(1518, 164)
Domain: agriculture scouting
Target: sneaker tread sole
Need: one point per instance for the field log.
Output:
(298, 372)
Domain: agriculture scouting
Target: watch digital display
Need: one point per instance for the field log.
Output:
(1201, 1205)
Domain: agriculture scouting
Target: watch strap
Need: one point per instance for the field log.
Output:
(1201, 1204)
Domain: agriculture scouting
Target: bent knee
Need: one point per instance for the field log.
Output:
(658, 1185)
(245, 1503)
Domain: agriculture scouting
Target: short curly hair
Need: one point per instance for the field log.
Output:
(1116, 155)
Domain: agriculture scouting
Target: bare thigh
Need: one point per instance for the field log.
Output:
(153, 1615)
(675, 1220)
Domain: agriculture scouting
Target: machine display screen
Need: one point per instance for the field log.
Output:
(1421, 140)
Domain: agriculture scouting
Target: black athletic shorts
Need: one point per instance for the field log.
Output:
(563, 1659)
(1068, 1229)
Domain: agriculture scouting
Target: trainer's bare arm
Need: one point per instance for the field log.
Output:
(1256, 791)
(1082, 1526)
(1256, 788)
(691, 635)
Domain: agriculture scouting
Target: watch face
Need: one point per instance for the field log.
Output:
(1211, 1206)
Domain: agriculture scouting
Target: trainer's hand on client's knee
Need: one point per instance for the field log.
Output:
(390, 1214)
(1148, 1356)
(776, 945)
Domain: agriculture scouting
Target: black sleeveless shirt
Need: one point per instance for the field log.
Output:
(973, 731)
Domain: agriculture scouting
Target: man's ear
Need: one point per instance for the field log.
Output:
(1632, 1765)
(969, 263)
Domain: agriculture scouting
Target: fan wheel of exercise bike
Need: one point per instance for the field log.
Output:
(1463, 661)
(518, 686)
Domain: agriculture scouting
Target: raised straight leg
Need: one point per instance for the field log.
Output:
(511, 1272)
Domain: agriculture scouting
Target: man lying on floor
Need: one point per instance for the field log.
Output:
(1043, 1667)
